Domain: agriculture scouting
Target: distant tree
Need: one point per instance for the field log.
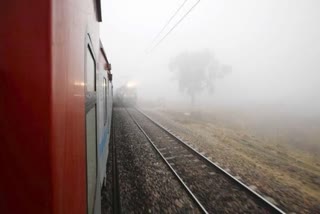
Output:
(196, 71)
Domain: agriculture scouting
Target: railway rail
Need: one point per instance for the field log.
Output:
(115, 177)
(212, 188)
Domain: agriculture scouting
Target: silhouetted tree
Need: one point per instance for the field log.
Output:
(196, 71)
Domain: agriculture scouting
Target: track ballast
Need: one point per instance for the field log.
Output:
(213, 189)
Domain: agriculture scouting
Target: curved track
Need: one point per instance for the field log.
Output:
(212, 188)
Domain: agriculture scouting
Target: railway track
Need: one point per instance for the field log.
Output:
(115, 176)
(212, 188)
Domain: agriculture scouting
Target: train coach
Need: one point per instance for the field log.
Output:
(55, 107)
(127, 95)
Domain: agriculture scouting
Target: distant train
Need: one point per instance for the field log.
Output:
(127, 95)
(56, 107)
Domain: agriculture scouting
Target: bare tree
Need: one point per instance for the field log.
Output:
(196, 71)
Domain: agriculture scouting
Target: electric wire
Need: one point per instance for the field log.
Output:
(168, 22)
(183, 17)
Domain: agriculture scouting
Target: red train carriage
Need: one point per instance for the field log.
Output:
(54, 89)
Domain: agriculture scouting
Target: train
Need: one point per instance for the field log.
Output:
(127, 95)
(56, 98)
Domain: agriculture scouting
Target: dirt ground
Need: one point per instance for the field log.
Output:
(285, 174)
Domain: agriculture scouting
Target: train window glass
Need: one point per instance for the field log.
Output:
(91, 139)
(90, 74)
(105, 97)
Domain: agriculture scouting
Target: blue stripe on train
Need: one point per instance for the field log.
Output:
(103, 142)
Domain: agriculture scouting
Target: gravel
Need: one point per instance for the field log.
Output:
(216, 192)
(145, 183)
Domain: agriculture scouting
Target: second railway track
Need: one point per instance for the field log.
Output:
(213, 189)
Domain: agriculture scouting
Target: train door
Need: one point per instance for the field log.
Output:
(91, 128)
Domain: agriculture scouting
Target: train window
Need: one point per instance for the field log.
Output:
(90, 76)
(91, 128)
(105, 97)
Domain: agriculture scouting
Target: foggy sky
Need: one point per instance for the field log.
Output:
(273, 47)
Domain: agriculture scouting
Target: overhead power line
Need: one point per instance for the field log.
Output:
(183, 17)
(168, 22)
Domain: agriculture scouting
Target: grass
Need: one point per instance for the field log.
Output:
(287, 172)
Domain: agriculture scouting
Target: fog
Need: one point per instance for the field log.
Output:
(272, 46)
(240, 80)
